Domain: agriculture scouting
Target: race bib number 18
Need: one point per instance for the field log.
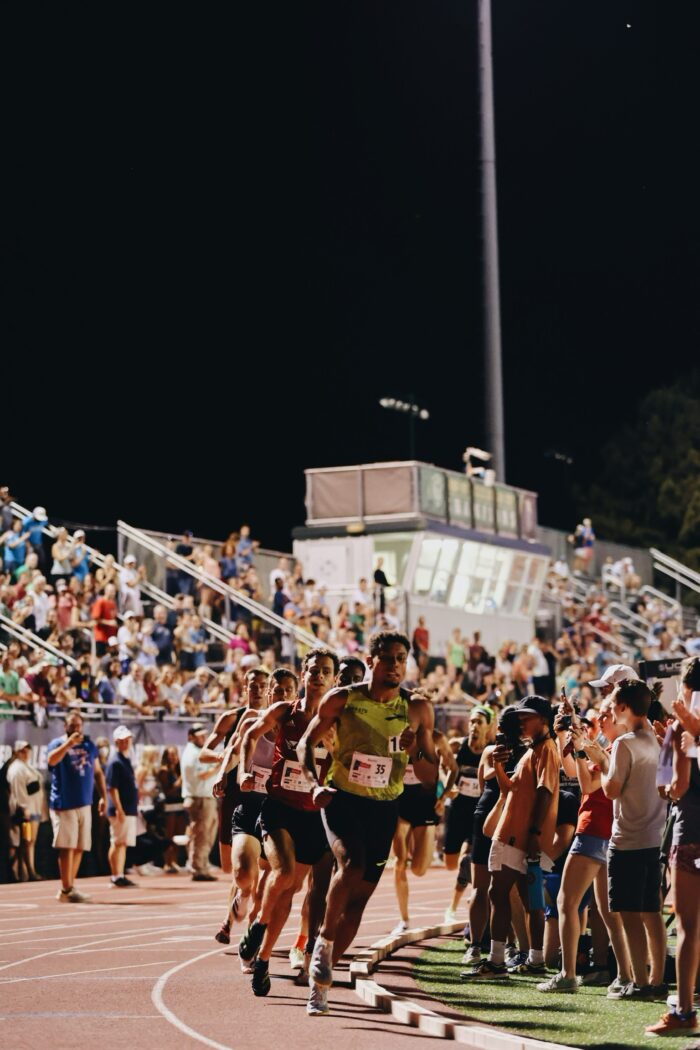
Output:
(370, 770)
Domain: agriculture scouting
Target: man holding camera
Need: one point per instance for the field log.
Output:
(75, 766)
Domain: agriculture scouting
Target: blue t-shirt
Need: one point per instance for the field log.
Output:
(83, 567)
(120, 775)
(35, 529)
(73, 778)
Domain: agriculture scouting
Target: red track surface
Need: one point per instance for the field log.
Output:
(140, 968)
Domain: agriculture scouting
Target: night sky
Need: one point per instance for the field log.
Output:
(226, 235)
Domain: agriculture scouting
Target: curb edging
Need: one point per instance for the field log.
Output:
(467, 1033)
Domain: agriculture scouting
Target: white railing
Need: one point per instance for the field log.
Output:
(23, 634)
(676, 570)
(235, 597)
(148, 588)
(625, 616)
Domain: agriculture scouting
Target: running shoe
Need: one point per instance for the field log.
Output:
(635, 991)
(261, 978)
(484, 969)
(513, 955)
(559, 983)
(450, 916)
(617, 987)
(472, 956)
(121, 882)
(73, 897)
(223, 936)
(246, 967)
(321, 968)
(400, 928)
(200, 876)
(301, 978)
(530, 969)
(674, 1022)
(250, 942)
(515, 960)
(317, 1006)
(296, 958)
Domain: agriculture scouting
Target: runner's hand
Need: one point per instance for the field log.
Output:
(407, 739)
(322, 796)
(247, 782)
(219, 786)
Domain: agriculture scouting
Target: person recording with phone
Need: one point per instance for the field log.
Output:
(75, 768)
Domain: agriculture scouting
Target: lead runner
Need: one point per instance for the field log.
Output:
(378, 729)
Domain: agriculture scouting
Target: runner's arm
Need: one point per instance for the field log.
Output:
(268, 722)
(422, 751)
(218, 733)
(321, 724)
(447, 759)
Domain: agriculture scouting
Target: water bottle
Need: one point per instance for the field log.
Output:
(535, 886)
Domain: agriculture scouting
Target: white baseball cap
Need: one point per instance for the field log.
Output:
(122, 733)
(614, 674)
(130, 560)
(39, 514)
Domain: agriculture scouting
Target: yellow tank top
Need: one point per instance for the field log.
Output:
(367, 759)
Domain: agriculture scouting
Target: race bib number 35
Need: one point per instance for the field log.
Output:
(293, 778)
(469, 786)
(369, 770)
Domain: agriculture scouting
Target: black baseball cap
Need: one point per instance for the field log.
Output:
(535, 705)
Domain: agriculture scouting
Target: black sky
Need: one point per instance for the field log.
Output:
(227, 233)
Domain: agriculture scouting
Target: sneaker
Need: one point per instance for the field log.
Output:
(223, 936)
(635, 991)
(674, 1022)
(73, 897)
(658, 991)
(533, 969)
(400, 928)
(296, 958)
(63, 896)
(516, 959)
(472, 956)
(250, 942)
(450, 916)
(301, 978)
(559, 983)
(246, 967)
(596, 979)
(121, 882)
(617, 987)
(317, 1005)
(321, 968)
(203, 876)
(513, 955)
(261, 978)
(484, 969)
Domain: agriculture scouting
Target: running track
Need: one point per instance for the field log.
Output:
(140, 968)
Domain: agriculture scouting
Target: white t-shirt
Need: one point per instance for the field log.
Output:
(192, 785)
(130, 689)
(639, 815)
(541, 667)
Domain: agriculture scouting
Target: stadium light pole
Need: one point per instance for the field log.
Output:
(413, 411)
(495, 430)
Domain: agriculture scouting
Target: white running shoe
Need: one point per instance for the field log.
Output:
(246, 967)
(472, 956)
(74, 897)
(450, 916)
(317, 1005)
(400, 928)
(296, 958)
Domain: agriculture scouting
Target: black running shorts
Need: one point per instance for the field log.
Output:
(304, 826)
(417, 806)
(365, 822)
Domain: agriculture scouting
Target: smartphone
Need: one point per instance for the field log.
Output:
(566, 721)
(501, 740)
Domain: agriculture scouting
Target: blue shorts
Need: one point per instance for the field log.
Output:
(552, 885)
(592, 847)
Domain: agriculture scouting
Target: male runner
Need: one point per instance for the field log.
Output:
(459, 823)
(290, 821)
(377, 730)
(419, 813)
(226, 788)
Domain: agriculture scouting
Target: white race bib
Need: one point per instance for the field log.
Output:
(409, 777)
(469, 786)
(369, 770)
(261, 777)
(394, 745)
(293, 778)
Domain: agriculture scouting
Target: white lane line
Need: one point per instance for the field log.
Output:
(76, 973)
(173, 1019)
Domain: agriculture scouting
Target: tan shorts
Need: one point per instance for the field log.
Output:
(122, 832)
(72, 828)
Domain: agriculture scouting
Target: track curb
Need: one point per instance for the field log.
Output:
(404, 1010)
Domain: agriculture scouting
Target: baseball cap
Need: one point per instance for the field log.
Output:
(128, 615)
(130, 560)
(19, 745)
(198, 727)
(122, 733)
(535, 705)
(39, 514)
(79, 532)
(250, 660)
(614, 674)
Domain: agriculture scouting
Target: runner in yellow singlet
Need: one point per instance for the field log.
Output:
(378, 729)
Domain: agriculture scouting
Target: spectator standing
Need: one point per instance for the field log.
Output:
(542, 681)
(245, 550)
(639, 815)
(80, 556)
(6, 513)
(75, 768)
(170, 782)
(14, 546)
(280, 572)
(104, 615)
(200, 803)
(227, 562)
(122, 808)
(381, 583)
(61, 554)
(35, 524)
(130, 577)
(26, 797)
(185, 582)
(421, 645)
(162, 636)
(132, 691)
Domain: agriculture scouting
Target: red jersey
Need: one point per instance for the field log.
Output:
(595, 815)
(104, 609)
(288, 782)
